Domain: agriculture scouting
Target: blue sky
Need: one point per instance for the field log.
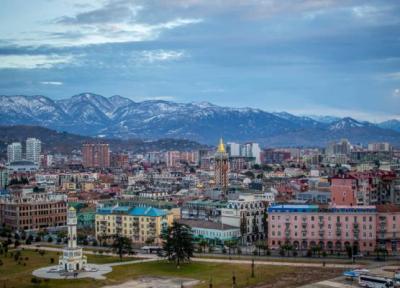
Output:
(336, 57)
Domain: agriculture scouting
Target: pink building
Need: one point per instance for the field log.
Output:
(343, 190)
(330, 227)
(364, 188)
(388, 227)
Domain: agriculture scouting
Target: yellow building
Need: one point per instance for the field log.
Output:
(69, 186)
(87, 186)
(136, 223)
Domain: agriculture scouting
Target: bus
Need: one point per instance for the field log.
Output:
(375, 281)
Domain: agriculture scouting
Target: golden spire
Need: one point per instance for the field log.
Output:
(221, 146)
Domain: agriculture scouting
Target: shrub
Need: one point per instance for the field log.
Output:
(35, 280)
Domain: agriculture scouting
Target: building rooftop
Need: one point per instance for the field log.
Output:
(207, 225)
(133, 211)
(319, 208)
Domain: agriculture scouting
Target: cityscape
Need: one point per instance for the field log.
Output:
(265, 168)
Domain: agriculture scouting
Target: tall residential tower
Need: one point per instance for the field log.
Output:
(33, 150)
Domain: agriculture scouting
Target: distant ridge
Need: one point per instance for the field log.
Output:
(118, 117)
(63, 142)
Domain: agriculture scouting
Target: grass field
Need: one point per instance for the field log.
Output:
(17, 275)
(282, 259)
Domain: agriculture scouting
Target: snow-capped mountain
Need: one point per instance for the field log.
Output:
(391, 124)
(347, 123)
(119, 117)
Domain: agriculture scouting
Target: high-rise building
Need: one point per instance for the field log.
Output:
(233, 149)
(33, 150)
(221, 167)
(96, 155)
(172, 158)
(252, 150)
(380, 147)
(14, 152)
(343, 147)
(3, 178)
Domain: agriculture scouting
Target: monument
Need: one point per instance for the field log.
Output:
(72, 259)
(73, 264)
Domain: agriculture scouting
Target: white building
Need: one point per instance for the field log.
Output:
(379, 147)
(14, 152)
(33, 150)
(233, 149)
(72, 259)
(252, 150)
(247, 213)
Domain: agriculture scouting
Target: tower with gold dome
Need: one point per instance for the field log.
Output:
(221, 168)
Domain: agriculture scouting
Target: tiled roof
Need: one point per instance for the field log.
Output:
(388, 208)
(134, 211)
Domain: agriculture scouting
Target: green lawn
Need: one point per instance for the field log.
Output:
(17, 275)
(283, 259)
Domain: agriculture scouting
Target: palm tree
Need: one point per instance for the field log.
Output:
(178, 243)
(231, 244)
(203, 244)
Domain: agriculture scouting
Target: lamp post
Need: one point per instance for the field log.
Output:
(252, 268)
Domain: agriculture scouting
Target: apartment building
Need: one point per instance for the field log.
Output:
(136, 223)
(23, 209)
(328, 227)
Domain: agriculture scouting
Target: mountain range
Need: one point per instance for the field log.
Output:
(63, 142)
(118, 117)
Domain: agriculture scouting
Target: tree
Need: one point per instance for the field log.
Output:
(149, 241)
(231, 244)
(243, 228)
(121, 245)
(178, 243)
(203, 244)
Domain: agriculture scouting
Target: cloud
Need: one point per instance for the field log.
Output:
(318, 110)
(152, 56)
(112, 12)
(155, 98)
(34, 61)
(55, 83)
(101, 33)
(396, 93)
(393, 76)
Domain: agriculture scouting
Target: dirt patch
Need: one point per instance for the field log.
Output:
(303, 276)
(157, 282)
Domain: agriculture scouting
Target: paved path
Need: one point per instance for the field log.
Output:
(56, 249)
(275, 263)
